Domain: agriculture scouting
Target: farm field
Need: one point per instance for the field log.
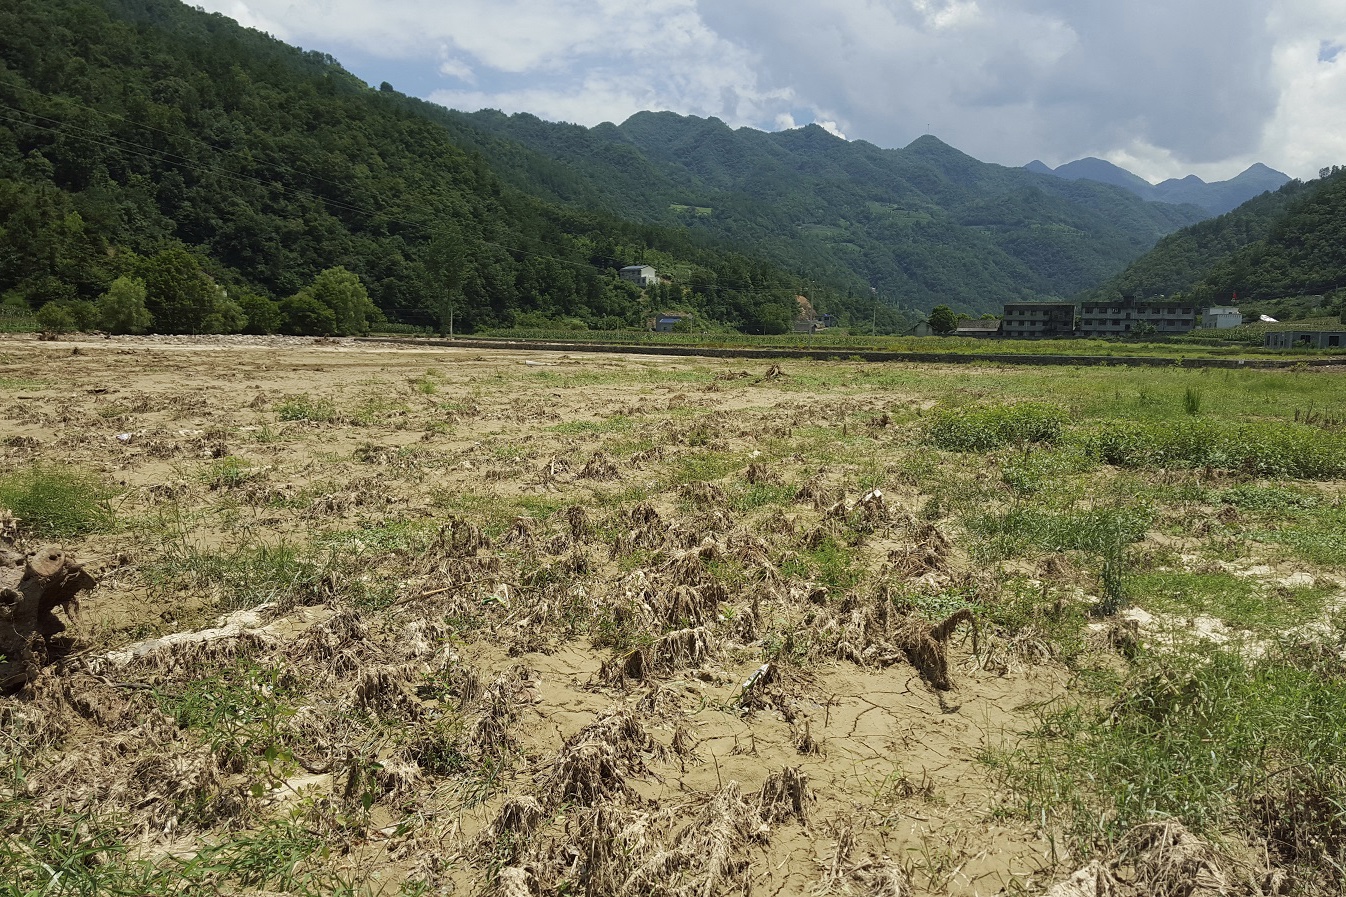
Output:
(405, 620)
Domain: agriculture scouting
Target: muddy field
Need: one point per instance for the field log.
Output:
(387, 620)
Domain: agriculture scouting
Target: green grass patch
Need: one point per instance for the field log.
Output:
(1316, 535)
(1238, 601)
(306, 408)
(228, 472)
(57, 502)
(1023, 529)
(832, 563)
(1263, 448)
(980, 428)
(751, 496)
(240, 711)
(1214, 739)
(1033, 471)
(617, 423)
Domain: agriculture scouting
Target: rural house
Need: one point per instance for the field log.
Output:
(665, 322)
(979, 329)
(643, 275)
(1305, 339)
(1220, 318)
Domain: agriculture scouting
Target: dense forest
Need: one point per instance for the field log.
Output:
(156, 159)
(926, 224)
(1291, 243)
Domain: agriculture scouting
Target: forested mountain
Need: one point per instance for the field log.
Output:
(926, 224)
(173, 151)
(1216, 198)
(1283, 244)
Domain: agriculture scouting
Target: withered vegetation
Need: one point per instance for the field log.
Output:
(615, 627)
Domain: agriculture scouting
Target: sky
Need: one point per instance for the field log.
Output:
(1164, 88)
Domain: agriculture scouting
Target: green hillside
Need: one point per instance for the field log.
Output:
(925, 224)
(1282, 245)
(147, 140)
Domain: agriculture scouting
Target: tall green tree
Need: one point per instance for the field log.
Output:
(345, 296)
(122, 308)
(445, 266)
(178, 293)
(943, 319)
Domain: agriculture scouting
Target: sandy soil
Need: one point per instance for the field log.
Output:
(207, 443)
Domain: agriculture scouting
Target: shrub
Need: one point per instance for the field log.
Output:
(305, 316)
(57, 501)
(122, 308)
(55, 317)
(981, 428)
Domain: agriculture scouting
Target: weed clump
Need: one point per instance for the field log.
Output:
(982, 428)
(306, 408)
(57, 502)
(1275, 449)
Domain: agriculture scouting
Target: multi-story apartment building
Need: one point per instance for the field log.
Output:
(1121, 318)
(1026, 320)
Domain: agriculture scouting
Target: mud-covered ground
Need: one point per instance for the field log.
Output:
(385, 620)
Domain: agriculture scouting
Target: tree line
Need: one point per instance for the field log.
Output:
(163, 168)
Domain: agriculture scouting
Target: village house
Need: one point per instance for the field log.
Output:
(808, 320)
(1220, 318)
(980, 329)
(1305, 339)
(642, 275)
(667, 321)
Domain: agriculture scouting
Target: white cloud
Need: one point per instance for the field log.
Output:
(831, 128)
(1204, 86)
(458, 70)
(243, 14)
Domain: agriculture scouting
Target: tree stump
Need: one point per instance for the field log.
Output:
(31, 587)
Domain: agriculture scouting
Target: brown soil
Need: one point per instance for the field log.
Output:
(593, 669)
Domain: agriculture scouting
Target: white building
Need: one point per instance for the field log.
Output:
(1220, 318)
(644, 275)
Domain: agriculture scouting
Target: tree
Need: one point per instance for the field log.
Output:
(443, 280)
(305, 316)
(943, 319)
(263, 315)
(178, 293)
(344, 295)
(122, 308)
(227, 317)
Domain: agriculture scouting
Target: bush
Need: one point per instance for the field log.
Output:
(305, 316)
(57, 501)
(122, 308)
(264, 315)
(54, 317)
(984, 427)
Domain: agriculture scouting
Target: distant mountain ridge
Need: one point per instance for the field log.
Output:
(1286, 244)
(1216, 198)
(923, 225)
